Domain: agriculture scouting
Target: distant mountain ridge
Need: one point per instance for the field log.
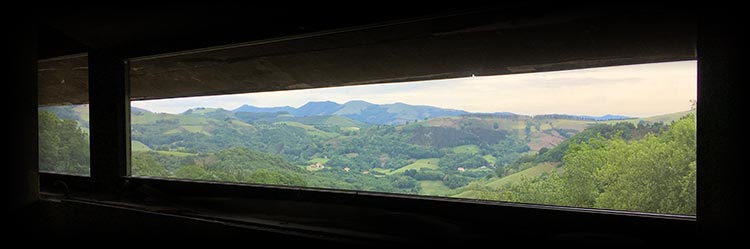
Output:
(606, 117)
(249, 108)
(391, 114)
(398, 113)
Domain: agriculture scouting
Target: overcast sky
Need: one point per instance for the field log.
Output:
(638, 91)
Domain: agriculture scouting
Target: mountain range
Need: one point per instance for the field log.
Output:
(397, 113)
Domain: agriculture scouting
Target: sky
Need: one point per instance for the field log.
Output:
(637, 90)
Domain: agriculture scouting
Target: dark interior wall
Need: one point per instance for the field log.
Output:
(720, 191)
(722, 174)
(20, 174)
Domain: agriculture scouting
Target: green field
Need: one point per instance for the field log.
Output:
(240, 123)
(490, 159)
(381, 170)
(138, 146)
(193, 128)
(435, 188)
(668, 118)
(349, 128)
(470, 194)
(469, 149)
(192, 120)
(430, 163)
(318, 160)
(530, 173)
(309, 129)
(173, 131)
(311, 168)
(175, 153)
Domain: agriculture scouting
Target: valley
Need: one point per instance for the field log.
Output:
(395, 148)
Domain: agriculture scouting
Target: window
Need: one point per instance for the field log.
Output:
(171, 128)
(618, 138)
(473, 110)
(63, 115)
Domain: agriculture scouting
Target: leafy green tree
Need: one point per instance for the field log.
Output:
(192, 172)
(144, 164)
(429, 174)
(542, 151)
(654, 174)
(405, 182)
(411, 173)
(456, 181)
(63, 147)
(265, 176)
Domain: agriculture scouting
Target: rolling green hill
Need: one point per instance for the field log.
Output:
(462, 156)
(434, 188)
(529, 173)
(135, 145)
(430, 163)
(309, 129)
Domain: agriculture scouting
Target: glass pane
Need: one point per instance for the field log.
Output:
(64, 115)
(618, 138)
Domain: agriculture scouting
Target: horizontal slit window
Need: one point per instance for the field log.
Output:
(601, 117)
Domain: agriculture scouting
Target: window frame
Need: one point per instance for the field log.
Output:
(109, 101)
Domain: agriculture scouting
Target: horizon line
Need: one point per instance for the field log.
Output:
(467, 112)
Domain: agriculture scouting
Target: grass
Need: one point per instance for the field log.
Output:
(469, 149)
(578, 125)
(343, 122)
(192, 120)
(318, 160)
(310, 129)
(136, 145)
(435, 188)
(240, 123)
(175, 153)
(173, 131)
(193, 128)
(203, 110)
(349, 128)
(489, 158)
(430, 163)
(532, 172)
(146, 118)
(668, 118)
(381, 170)
(470, 194)
(311, 168)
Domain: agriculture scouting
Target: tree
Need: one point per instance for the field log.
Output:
(654, 174)
(192, 172)
(144, 164)
(63, 147)
(456, 181)
(542, 151)
(405, 182)
(410, 172)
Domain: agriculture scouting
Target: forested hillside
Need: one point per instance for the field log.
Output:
(612, 161)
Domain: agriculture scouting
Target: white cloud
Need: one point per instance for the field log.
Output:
(638, 90)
